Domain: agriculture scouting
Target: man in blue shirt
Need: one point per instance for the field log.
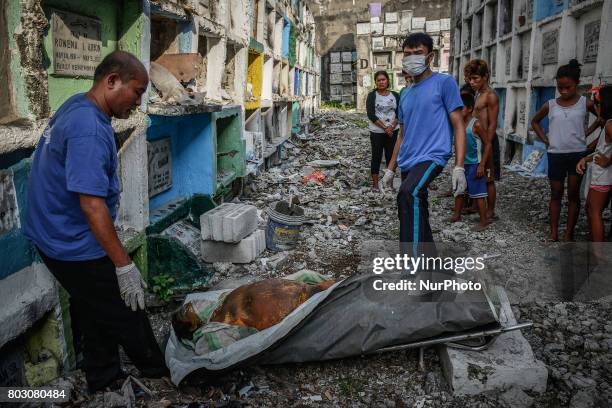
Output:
(73, 194)
(429, 114)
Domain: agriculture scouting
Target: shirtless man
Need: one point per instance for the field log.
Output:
(486, 108)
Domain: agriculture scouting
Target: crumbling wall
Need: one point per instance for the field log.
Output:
(336, 19)
(165, 39)
(29, 38)
(133, 209)
(7, 112)
(16, 137)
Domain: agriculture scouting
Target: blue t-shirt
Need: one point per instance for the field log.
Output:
(75, 154)
(424, 111)
(473, 148)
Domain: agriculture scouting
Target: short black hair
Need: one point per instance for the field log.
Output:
(122, 63)
(467, 89)
(416, 39)
(468, 100)
(383, 73)
(571, 70)
(605, 98)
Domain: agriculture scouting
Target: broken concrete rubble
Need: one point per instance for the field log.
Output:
(560, 333)
(516, 398)
(171, 89)
(276, 261)
(509, 362)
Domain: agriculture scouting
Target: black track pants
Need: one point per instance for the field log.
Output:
(105, 322)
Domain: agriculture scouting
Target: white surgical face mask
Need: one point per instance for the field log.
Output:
(415, 65)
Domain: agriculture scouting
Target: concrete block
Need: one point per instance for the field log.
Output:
(508, 362)
(25, 297)
(228, 222)
(243, 252)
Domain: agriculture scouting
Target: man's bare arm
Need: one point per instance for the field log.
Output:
(459, 129)
(593, 127)
(597, 123)
(487, 143)
(492, 112)
(99, 219)
(590, 105)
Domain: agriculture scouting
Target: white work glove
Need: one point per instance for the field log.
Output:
(131, 286)
(387, 180)
(459, 181)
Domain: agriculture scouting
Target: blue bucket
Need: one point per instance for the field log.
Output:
(282, 231)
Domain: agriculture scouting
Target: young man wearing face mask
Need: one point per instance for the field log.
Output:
(429, 113)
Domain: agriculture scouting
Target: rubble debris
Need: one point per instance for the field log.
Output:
(324, 163)
(183, 66)
(316, 177)
(292, 210)
(126, 397)
(508, 362)
(276, 261)
(170, 87)
(516, 398)
(559, 336)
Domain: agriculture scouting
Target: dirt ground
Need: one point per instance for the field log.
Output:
(573, 338)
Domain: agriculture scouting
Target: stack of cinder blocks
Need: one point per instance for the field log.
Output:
(230, 234)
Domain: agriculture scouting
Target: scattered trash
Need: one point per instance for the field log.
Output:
(568, 336)
(317, 176)
(275, 262)
(244, 391)
(126, 398)
(304, 137)
(532, 160)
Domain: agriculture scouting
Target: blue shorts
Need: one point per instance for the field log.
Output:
(476, 186)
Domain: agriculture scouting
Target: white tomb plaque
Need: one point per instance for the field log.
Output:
(432, 26)
(363, 28)
(160, 166)
(77, 44)
(591, 41)
(550, 47)
(418, 23)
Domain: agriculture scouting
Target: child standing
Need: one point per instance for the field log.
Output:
(478, 149)
(566, 142)
(601, 174)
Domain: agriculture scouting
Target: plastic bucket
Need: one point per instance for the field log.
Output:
(283, 231)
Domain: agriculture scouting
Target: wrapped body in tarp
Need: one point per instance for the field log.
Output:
(347, 319)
